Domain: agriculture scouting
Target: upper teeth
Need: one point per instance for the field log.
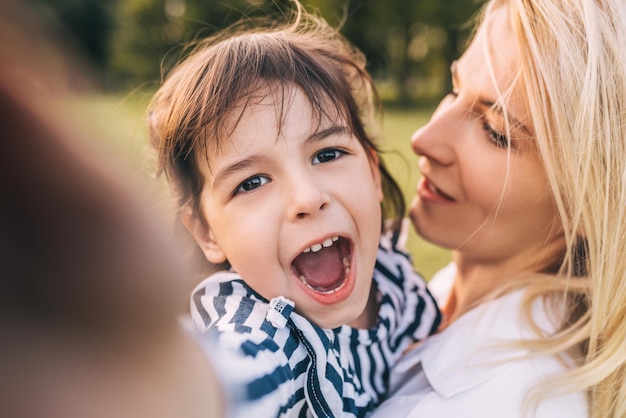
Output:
(316, 247)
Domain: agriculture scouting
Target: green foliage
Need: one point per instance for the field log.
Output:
(85, 25)
(152, 35)
(410, 44)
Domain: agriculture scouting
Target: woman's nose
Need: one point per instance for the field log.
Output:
(306, 197)
(436, 139)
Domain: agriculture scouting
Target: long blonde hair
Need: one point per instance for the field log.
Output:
(573, 70)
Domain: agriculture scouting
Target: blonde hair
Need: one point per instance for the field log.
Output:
(573, 70)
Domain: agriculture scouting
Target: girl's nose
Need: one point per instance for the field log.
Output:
(306, 197)
(435, 140)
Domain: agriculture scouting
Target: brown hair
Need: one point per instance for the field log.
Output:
(205, 95)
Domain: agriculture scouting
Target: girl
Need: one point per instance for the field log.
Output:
(260, 135)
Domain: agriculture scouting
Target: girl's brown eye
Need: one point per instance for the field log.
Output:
(251, 183)
(327, 155)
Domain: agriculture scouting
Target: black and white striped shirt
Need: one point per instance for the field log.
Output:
(285, 365)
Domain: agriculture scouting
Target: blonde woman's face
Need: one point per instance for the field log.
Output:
(483, 190)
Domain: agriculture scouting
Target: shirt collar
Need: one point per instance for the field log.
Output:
(474, 348)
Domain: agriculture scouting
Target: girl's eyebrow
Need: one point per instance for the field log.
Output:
(232, 169)
(333, 130)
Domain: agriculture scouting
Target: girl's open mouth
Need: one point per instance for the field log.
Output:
(325, 267)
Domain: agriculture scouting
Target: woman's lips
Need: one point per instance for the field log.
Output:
(426, 190)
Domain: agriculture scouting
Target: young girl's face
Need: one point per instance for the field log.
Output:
(296, 211)
(480, 195)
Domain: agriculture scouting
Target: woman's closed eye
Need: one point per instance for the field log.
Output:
(252, 183)
(327, 155)
(499, 139)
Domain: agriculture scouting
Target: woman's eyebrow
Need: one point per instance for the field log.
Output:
(515, 122)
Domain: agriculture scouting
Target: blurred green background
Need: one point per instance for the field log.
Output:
(127, 46)
(120, 120)
(129, 43)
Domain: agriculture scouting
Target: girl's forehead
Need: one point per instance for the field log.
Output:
(275, 108)
(283, 100)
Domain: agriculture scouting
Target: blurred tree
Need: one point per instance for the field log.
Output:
(151, 34)
(140, 41)
(411, 43)
(83, 25)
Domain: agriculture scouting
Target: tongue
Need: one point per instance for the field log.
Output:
(322, 270)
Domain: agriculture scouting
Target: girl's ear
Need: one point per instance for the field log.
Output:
(375, 169)
(203, 236)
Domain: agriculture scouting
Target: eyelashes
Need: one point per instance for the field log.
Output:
(327, 155)
(256, 181)
(499, 139)
(251, 183)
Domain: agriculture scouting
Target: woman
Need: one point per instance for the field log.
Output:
(524, 178)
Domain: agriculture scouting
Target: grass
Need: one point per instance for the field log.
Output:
(119, 121)
(398, 126)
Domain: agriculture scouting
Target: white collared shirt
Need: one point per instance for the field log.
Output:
(465, 371)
